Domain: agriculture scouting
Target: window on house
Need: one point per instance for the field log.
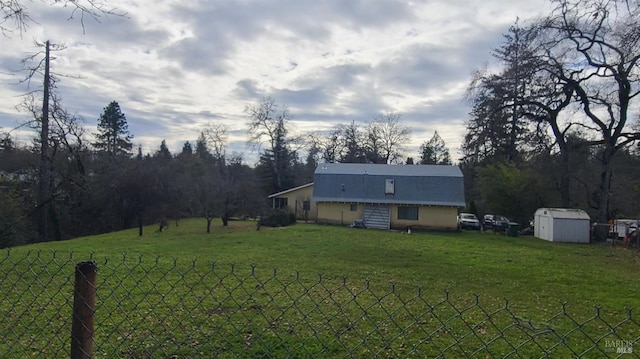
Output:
(409, 213)
(279, 203)
(354, 207)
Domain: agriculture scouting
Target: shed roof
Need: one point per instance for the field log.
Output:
(439, 185)
(564, 213)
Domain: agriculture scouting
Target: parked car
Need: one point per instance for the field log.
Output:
(468, 221)
(495, 222)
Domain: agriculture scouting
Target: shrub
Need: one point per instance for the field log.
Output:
(278, 218)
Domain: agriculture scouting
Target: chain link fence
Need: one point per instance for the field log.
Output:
(168, 308)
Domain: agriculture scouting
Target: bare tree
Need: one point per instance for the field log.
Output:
(216, 138)
(593, 47)
(59, 131)
(543, 107)
(387, 137)
(267, 122)
(16, 12)
(41, 118)
(329, 147)
(61, 167)
(41, 67)
(269, 125)
(225, 181)
(214, 180)
(379, 141)
(43, 169)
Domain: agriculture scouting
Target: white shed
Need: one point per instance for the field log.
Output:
(562, 225)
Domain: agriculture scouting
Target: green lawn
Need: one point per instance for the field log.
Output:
(297, 277)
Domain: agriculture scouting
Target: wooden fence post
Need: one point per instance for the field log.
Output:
(84, 301)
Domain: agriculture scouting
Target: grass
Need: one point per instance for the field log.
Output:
(319, 270)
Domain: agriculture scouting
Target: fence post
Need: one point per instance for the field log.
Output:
(84, 300)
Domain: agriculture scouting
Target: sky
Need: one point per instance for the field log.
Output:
(177, 67)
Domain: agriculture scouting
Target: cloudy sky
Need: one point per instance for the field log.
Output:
(177, 66)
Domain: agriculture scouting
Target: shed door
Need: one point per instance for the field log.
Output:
(376, 216)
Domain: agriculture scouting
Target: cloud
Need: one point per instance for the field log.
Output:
(176, 66)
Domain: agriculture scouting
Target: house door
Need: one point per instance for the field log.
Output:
(376, 216)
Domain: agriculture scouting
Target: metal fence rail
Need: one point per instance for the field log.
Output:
(168, 308)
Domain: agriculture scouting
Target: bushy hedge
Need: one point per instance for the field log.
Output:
(278, 218)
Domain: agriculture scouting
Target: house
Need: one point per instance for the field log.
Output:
(561, 225)
(388, 196)
(296, 200)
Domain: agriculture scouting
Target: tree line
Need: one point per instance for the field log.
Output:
(555, 124)
(108, 184)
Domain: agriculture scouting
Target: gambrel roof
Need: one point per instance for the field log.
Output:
(437, 185)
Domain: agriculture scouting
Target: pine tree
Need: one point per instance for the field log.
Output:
(164, 153)
(187, 149)
(113, 135)
(202, 148)
(434, 152)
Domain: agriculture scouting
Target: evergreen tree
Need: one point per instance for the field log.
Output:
(113, 135)
(276, 164)
(269, 125)
(354, 140)
(434, 152)
(187, 150)
(163, 153)
(499, 127)
(202, 149)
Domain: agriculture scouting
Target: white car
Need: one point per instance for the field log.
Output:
(468, 221)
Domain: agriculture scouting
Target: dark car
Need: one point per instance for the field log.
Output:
(468, 221)
(495, 222)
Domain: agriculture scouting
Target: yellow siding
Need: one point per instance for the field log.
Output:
(295, 201)
(428, 217)
(341, 213)
(338, 213)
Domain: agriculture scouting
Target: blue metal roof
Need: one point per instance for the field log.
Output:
(378, 169)
(439, 185)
